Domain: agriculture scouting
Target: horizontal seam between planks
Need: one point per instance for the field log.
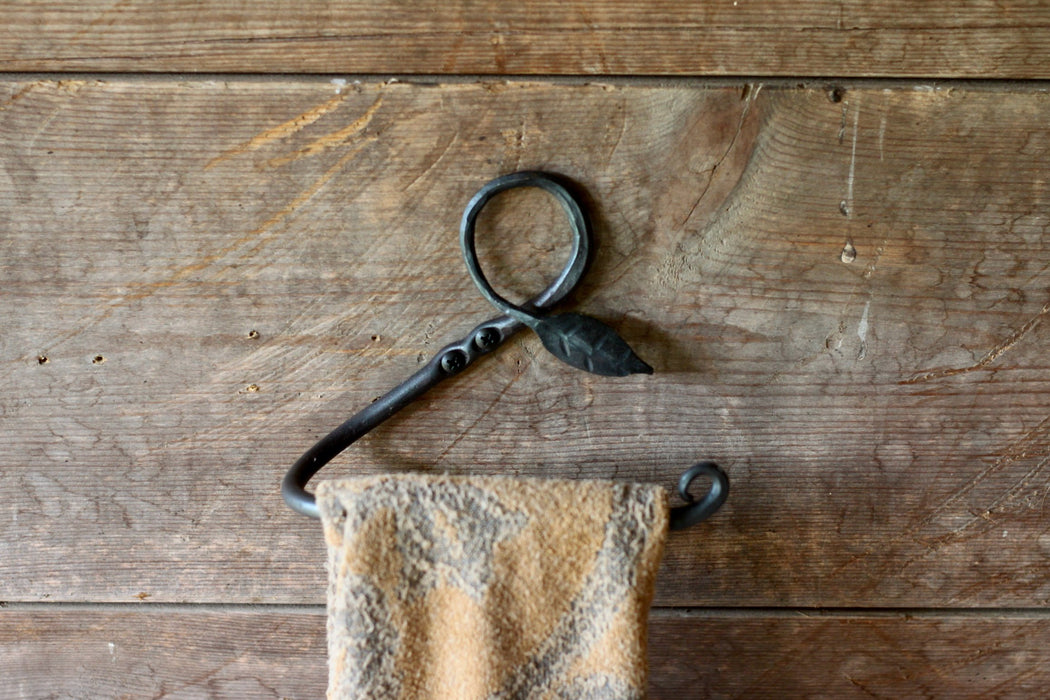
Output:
(633, 80)
(663, 613)
(905, 613)
(147, 608)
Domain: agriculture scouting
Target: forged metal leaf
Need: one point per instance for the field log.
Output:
(588, 344)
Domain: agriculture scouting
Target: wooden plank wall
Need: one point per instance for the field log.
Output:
(888, 38)
(841, 282)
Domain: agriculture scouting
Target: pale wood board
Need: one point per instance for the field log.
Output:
(883, 417)
(890, 38)
(246, 655)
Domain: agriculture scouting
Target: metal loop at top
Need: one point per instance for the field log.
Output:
(574, 268)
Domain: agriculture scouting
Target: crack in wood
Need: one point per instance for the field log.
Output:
(989, 357)
(752, 95)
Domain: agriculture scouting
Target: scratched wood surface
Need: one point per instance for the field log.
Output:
(892, 38)
(246, 654)
(843, 294)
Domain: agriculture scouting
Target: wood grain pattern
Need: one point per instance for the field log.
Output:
(247, 655)
(843, 296)
(148, 654)
(892, 38)
(848, 656)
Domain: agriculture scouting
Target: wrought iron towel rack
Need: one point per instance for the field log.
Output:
(580, 341)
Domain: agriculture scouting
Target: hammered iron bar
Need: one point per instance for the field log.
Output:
(580, 341)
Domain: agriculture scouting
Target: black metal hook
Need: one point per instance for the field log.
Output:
(578, 340)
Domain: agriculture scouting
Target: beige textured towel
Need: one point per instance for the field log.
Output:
(489, 587)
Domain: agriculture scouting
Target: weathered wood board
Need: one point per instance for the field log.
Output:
(281, 654)
(843, 294)
(856, 38)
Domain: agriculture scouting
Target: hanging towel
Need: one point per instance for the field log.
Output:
(489, 587)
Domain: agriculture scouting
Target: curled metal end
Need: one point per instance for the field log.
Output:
(697, 511)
